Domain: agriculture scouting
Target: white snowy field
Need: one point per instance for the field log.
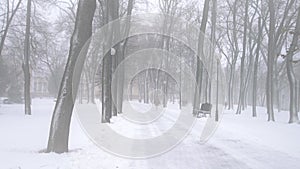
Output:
(240, 141)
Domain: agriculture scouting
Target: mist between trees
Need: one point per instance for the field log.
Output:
(256, 43)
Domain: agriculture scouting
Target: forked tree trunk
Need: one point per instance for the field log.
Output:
(61, 119)
(231, 93)
(242, 79)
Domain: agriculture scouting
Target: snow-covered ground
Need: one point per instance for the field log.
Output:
(240, 141)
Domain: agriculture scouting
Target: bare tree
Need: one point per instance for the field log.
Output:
(270, 63)
(25, 66)
(242, 79)
(256, 62)
(60, 124)
(122, 56)
(199, 69)
(111, 10)
(168, 8)
(9, 18)
(213, 39)
(232, 31)
(291, 74)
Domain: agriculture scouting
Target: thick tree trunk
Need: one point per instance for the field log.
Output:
(270, 62)
(109, 64)
(106, 89)
(61, 119)
(114, 12)
(26, 70)
(199, 72)
(213, 40)
(291, 74)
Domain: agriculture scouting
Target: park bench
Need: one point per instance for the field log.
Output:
(204, 110)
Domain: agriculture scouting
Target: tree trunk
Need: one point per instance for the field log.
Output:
(256, 62)
(180, 83)
(109, 64)
(217, 97)
(114, 12)
(213, 40)
(291, 74)
(26, 70)
(93, 88)
(122, 56)
(115, 87)
(235, 56)
(199, 72)
(298, 98)
(87, 86)
(251, 57)
(61, 119)
(242, 81)
(106, 89)
(276, 86)
(230, 87)
(270, 62)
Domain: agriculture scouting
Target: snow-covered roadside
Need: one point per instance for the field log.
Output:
(239, 142)
(260, 144)
(22, 137)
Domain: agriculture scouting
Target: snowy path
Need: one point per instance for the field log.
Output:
(239, 143)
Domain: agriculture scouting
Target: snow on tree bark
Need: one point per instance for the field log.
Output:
(111, 10)
(61, 119)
